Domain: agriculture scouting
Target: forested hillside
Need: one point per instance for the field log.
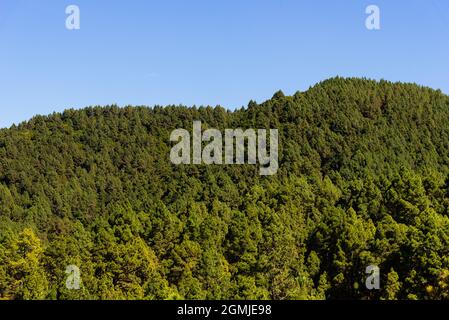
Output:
(362, 180)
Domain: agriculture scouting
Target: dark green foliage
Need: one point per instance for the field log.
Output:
(363, 180)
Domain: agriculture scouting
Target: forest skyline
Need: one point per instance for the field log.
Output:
(208, 53)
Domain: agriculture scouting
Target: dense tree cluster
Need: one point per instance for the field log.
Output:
(362, 180)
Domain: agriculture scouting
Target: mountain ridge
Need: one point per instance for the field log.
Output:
(319, 84)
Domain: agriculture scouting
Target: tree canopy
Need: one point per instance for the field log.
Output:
(362, 180)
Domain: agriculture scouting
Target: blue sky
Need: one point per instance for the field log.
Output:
(208, 52)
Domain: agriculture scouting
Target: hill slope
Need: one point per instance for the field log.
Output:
(362, 181)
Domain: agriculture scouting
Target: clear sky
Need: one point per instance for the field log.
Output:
(208, 52)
